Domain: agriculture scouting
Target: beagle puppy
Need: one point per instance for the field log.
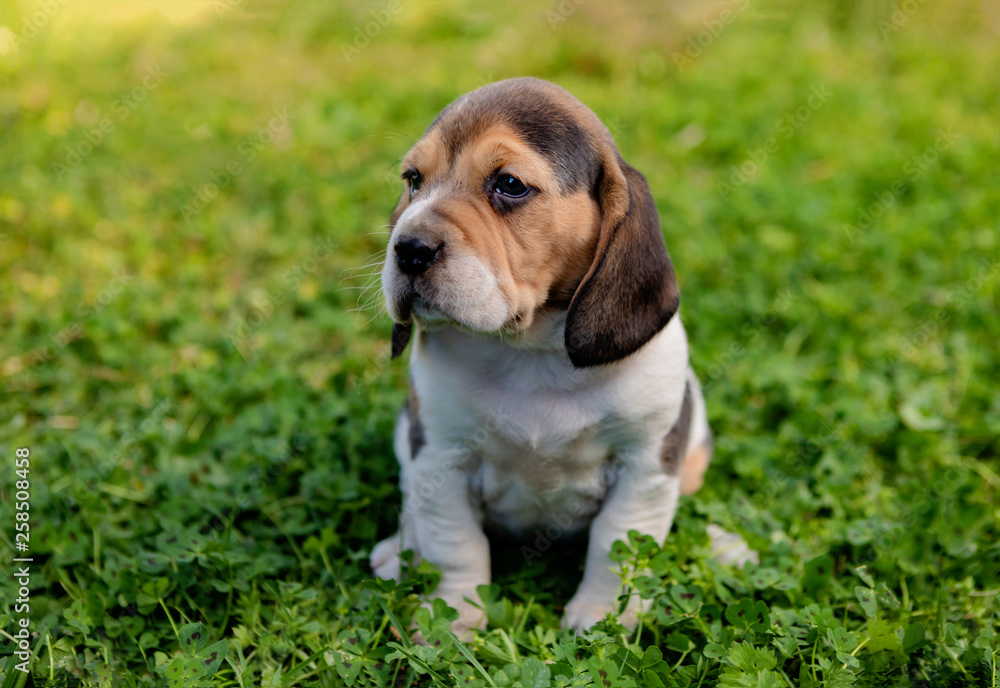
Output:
(550, 386)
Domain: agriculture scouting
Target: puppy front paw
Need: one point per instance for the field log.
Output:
(384, 559)
(470, 618)
(582, 613)
(729, 548)
(586, 609)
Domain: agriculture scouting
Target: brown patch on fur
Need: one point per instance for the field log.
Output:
(695, 464)
(539, 251)
(675, 443)
(588, 239)
(428, 151)
(630, 292)
(546, 117)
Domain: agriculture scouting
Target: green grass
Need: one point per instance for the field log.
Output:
(208, 401)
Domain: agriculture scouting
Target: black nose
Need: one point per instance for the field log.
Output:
(414, 256)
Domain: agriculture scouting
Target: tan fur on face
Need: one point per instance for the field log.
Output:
(538, 252)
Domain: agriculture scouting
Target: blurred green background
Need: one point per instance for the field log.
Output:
(193, 198)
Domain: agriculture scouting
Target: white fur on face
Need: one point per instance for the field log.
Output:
(458, 287)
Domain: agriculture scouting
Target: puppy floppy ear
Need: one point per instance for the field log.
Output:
(630, 291)
(401, 332)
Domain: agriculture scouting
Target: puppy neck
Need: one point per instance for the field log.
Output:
(544, 338)
(546, 332)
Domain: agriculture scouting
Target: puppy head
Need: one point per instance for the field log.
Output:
(516, 199)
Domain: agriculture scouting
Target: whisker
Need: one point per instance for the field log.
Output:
(366, 266)
(373, 319)
(372, 301)
(360, 275)
(382, 176)
(370, 282)
(399, 134)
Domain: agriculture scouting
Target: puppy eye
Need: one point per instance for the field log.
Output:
(414, 180)
(509, 185)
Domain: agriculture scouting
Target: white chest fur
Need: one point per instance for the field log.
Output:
(538, 438)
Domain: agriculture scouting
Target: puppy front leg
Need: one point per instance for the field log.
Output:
(643, 498)
(448, 524)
